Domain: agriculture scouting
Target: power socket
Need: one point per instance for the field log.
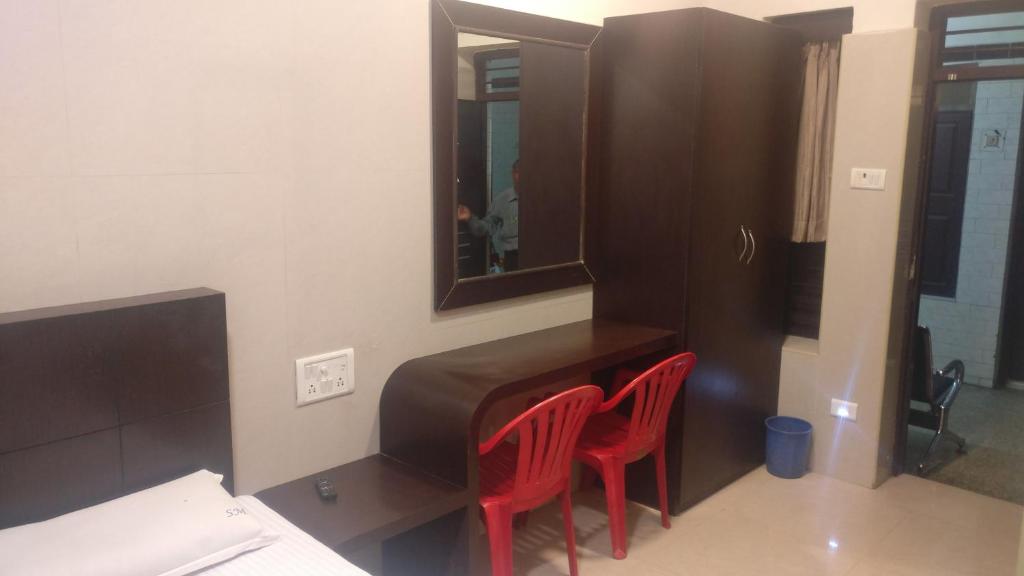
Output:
(324, 376)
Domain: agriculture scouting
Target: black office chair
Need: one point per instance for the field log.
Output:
(938, 389)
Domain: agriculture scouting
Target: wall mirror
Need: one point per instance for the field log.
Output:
(511, 102)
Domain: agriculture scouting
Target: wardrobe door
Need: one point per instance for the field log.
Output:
(641, 206)
(717, 408)
(746, 149)
(776, 68)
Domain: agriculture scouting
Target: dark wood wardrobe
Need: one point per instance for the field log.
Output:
(689, 221)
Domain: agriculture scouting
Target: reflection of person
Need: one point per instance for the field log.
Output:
(501, 223)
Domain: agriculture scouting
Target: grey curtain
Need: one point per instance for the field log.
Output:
(814, 151)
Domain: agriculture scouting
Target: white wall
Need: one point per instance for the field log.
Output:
(256, 147)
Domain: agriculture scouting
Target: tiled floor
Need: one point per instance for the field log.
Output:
(815, 526)
(992, 422)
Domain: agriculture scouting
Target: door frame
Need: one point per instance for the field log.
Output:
(940, 75)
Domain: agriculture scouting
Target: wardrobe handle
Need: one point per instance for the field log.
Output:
(753, 246)
(746, 243)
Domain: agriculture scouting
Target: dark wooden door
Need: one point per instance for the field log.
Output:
(472, 184)
(944, 212)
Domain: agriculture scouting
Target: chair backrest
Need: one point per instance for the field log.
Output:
(923, 384)
(654, 391)
(547, 434)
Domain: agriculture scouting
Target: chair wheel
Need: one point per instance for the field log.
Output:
(961, 448)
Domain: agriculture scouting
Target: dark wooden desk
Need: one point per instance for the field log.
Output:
(431, 407)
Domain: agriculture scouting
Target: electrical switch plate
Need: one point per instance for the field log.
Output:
(324, 376)
(843, 409)
(867, 178)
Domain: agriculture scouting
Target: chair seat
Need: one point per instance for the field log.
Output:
(498, 477)
(604, 434)
(498, 472)
(940, 386)
(609, 441)
(519, 477)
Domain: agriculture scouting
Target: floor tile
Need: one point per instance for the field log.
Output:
(814, 526)
(992, 423)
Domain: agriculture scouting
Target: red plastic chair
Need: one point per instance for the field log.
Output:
(522, 476)
(609, 441)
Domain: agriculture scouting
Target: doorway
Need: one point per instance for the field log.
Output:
(968, 208)
(970, 265)
(966, 298)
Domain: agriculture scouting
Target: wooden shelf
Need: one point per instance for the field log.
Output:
(378, 497)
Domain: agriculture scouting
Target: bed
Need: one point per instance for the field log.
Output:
(106, 399)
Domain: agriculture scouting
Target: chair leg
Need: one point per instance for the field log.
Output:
(570, 531)
(961, 447)
(659, 455)
(614, 476)
(499, 534)
(923, 465)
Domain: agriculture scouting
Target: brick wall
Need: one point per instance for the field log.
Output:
(967, 326)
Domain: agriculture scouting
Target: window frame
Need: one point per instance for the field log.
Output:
(962, 72)
(480, 60)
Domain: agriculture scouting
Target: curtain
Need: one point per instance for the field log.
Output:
(814, 150)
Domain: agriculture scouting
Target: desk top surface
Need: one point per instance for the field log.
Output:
(482, 369)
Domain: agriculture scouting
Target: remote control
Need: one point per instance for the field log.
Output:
(325, 488)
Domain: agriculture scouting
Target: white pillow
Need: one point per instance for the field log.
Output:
(168, 530)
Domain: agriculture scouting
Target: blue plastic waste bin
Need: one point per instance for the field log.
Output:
(788, 446)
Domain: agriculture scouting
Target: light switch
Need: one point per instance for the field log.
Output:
(324, 376)
(867, 179)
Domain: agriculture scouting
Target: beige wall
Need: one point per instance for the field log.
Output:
(852, 361)
(251, 146)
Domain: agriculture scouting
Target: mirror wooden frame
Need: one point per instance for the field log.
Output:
(447, 19)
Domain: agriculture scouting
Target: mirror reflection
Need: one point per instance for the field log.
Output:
(519, 132)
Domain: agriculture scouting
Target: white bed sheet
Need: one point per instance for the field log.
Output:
(294, 554)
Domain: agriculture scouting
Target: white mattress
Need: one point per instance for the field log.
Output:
(294, 554)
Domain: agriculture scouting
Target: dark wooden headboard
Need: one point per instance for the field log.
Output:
(105, 398)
